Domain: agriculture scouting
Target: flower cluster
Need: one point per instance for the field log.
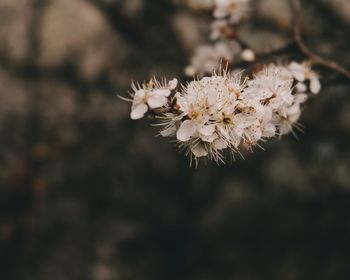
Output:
(227, 13)
(226, 111)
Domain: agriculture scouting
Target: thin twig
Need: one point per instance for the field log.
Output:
(330, 64)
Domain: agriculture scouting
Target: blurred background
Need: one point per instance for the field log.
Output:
(86, 193)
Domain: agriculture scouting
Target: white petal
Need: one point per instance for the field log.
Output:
(269, 130)
(300, 98)
(170, 131)
(265, 93)
(141, 93)
(295, 66)
(199, 151)
(287, 97)
(315, 85)
(172, 84)
(228, 109)
(209, 138)
(301, 87)
(295, 117)
(211, 98)
(298, 71)
(138, 111)
(261, 110)
(219, 144)
(157, 101)
(161, 92)
(243, 120)
(276, 103)
(285, 127)
(294, 113)
(190, 71)
(224, 132)
(186, 130)
(207, 129)
(299, 76)
(254, 134)
(139, 96)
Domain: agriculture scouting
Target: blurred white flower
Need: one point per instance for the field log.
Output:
(219, 29)
(207, 58)
(235, 10)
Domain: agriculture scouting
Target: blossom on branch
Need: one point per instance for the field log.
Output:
(150, 95)
(225, 111)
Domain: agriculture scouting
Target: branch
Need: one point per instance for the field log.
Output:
(330, 64)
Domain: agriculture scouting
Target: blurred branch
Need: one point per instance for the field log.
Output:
(297, 47)
(289, 49)
(297, 33)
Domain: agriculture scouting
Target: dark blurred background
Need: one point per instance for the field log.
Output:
(86, 193)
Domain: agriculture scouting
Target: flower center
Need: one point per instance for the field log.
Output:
(194, 115)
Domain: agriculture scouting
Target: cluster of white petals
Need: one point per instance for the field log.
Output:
(234, 10)
(208, 57)
(150, 95)
(303, 73)
(229, 112)
(225, 48)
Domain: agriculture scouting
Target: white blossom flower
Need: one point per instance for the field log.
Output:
(235, 10)
(150, 95)
(272, 86)
(302, 72)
